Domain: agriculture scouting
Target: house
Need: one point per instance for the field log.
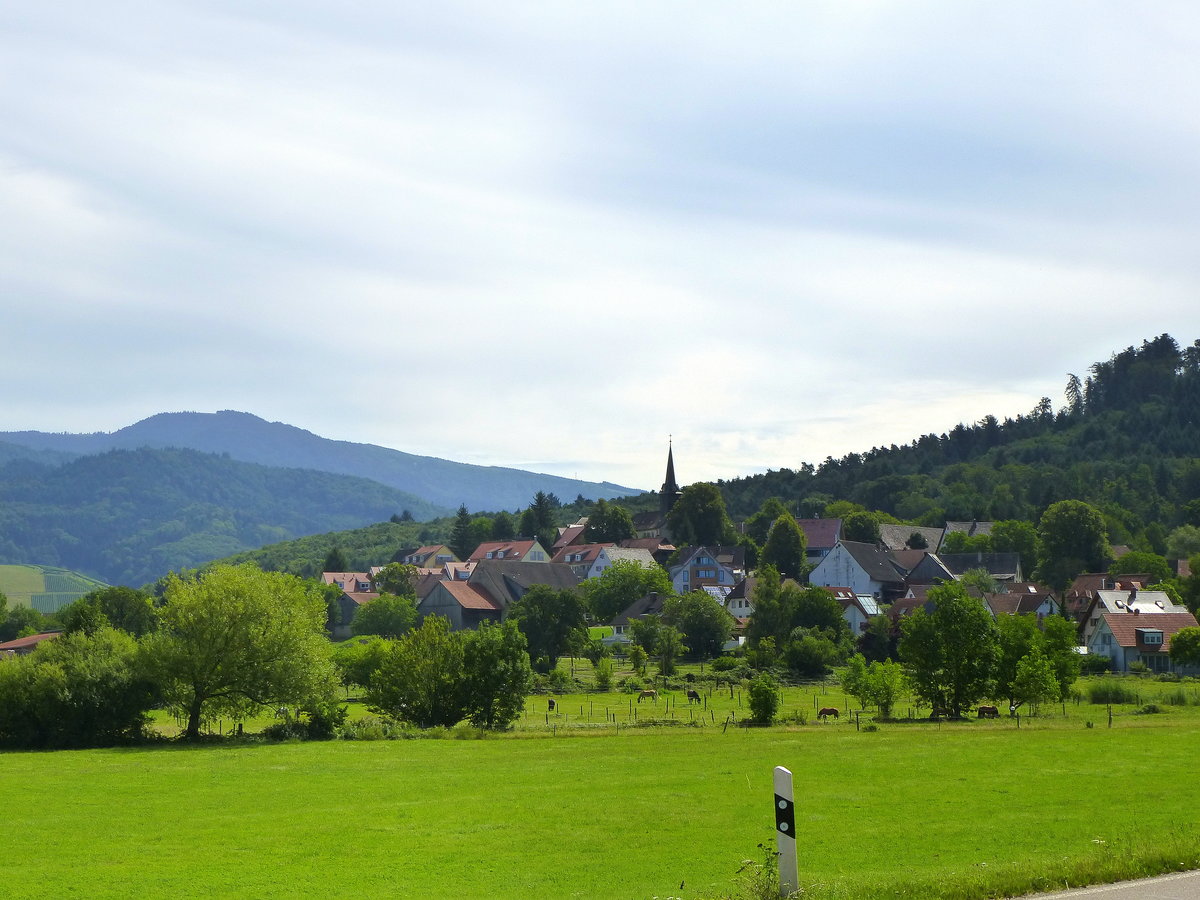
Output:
(1014, 603)
(922, 567)
(1127, 638)
(970, 529)
(649, 605)
(610, 555)
(863, 568)
(491, 588)
(700, 566)
(431, 557)
(821, 536)
(571, 534)
(660, 548)
(580, 557)
(1086, 587)
(1003, 567)
(856, 610)
(1131, 601)
(897, 537)
(520, 550)
(26, 645)
(358, 588)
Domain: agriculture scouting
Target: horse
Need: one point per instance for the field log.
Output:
(550, 704)
(989, 712)
(827, 711)
(693, 696)
(648, 695)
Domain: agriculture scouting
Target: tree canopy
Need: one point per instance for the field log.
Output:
(234, 639)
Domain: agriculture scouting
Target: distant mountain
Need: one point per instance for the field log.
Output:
(131, 516)
(251, 439)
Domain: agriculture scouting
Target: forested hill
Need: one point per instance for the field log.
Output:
(248, 438)
(130, 516)
(1126, 438)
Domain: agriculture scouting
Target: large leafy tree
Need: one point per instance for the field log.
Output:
(421, 681)
(234, 639)
(698, 517)
(1016, 536)
(608, 523)
(1185, 647)
(123, 608)
(397, 579)
(1072, 538)
(786, 547)
(759, 524)
(387, 615)
(547, 617)
(950, 655)
(703, 622)
(1139, 561)
(496, 675)
(610, 592)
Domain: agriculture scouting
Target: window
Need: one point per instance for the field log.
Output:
(538, 555)
(1152, 637)
(490, 554)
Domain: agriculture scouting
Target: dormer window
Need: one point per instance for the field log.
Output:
(491, 554)
(1150, 637)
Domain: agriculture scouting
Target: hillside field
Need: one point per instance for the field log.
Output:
(911, 810)
(46, 588)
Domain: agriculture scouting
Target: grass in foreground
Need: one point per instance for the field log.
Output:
(905, 811)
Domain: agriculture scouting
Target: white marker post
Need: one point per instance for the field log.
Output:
(785, 832)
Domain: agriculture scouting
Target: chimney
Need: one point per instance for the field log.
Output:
(1132, 593)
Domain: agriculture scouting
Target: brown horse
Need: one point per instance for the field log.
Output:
(648, 695)
(827, 711)
(693, 696)
(550, 705)
(989, 712)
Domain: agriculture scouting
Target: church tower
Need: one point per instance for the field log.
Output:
(670, 489)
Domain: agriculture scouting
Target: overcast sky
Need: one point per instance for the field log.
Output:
(549, 235)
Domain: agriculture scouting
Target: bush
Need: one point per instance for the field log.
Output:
(764, 699)
(1094, 665)
(602, 673)
(1148, 710)
(560, 682)
(724, 664)
(1111, 692)
(1138, 668)
(632, 684)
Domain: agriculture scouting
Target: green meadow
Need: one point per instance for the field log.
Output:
(584, 809)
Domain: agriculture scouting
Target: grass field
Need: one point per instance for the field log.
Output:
(913, 810)
(46, 588)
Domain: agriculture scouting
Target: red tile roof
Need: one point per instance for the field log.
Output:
(821, 532)
(28, 643)
(469, 596)
(510, 550)
(1124, 627)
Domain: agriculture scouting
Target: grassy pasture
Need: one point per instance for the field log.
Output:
(967, 810)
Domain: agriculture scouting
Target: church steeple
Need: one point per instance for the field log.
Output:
(670, 489)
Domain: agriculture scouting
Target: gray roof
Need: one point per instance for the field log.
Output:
(997, 564)
(506, 580)
(895, 537)
(875, 562)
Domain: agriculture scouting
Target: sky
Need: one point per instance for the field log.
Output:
(554, 236)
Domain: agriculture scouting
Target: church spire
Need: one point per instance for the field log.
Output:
(670, 489)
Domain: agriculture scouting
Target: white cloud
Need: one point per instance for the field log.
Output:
(507, 232)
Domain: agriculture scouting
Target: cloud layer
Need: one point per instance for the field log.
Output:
(548, 237)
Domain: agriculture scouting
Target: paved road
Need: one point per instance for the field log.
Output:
(1181, 886)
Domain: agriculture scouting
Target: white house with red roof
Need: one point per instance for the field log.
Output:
(520, 550)
(1127, 638)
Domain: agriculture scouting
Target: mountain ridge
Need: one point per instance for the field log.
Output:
(249, 438)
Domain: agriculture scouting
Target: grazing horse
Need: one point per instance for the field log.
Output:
(693, 696)
(827, 711)
(989, 712)
(550, 704)
(648, 695)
